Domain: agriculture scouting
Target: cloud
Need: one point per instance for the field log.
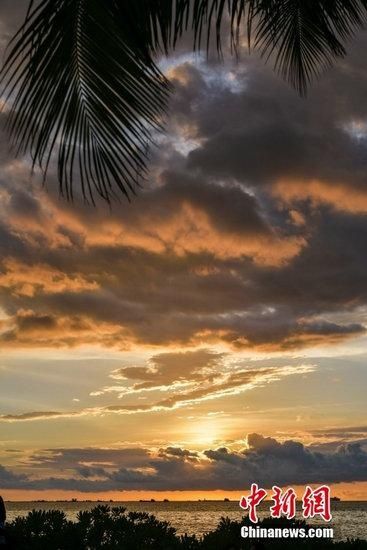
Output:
(68, 459)
(249, 234)
(9, 480)
(264, 460)
(339, 196)
(189, 378)
(179, 216)
(205, 379)
(30, 329)
(27, 280)
(11, 16)
(168, 371)
(37, 415)
(330, 439)
(265, 133)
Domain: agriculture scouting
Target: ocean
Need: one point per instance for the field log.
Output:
(349, 518)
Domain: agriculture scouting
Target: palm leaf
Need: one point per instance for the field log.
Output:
(306, 36)
(84, 87)
(302, 36)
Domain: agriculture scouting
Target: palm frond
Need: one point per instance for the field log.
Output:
(84, 86)
(303, 36)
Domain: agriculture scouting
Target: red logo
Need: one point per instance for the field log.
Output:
(284, 503)
(252, 501)
(315, 502)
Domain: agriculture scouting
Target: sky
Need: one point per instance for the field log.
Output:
(212, 333)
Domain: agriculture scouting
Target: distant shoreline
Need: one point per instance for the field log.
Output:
(148, 501)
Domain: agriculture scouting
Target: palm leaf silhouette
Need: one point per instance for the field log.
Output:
(84, 85)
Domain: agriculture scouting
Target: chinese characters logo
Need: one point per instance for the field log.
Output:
(315, 502)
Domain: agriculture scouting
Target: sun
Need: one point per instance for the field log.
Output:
(203, 434)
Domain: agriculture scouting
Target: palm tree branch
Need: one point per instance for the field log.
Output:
(302, 36)
(85, 90)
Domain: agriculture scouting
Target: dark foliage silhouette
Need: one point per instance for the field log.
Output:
(2, 523)
(84, 86)
(116, 529)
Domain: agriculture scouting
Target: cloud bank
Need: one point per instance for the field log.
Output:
(264, 460)
(249, 233)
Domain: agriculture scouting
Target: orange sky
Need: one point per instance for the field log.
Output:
(141, 344)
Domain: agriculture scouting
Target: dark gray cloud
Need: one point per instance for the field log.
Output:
(265, 132)
(251, 230)
(11, 16)
(265, 461)
(68, 459)
(9, 479)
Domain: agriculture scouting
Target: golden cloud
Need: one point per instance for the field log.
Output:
(341, 197)
(28, 280)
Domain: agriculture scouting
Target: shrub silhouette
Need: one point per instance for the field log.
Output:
(102, 527)
(105, 528)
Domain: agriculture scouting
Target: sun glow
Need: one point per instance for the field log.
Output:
(204, 433)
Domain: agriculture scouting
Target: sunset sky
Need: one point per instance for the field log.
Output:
(211, 333)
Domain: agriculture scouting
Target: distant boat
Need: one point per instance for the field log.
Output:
(165, 500)
(226, 499)
(335, 499)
